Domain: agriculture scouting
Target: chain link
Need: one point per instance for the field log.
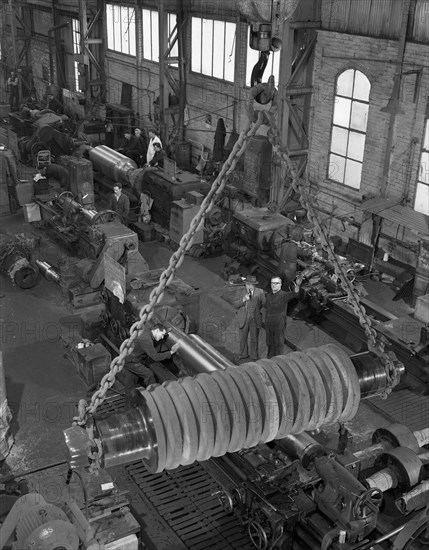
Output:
(255, 120)
(301, 186)
(167, 275)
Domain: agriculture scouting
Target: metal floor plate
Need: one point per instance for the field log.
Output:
(184, 499)
(405, 407)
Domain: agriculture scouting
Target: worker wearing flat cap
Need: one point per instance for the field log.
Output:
(249, 302)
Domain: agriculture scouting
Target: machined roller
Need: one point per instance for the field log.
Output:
(390, 437)
(116, 166)
(400, 467)
(224, 411)
(415, 499)
(48, 271)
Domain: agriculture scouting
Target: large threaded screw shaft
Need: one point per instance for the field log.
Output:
(208, 415)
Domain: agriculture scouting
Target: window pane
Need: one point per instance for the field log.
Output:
(125, 18)
(336, 168)
(196, 45)
(345, 83)
(342, 111)
(171, 24)
(132, 32)
(356, 146)
(424, 168)
(117, 29)
(359, 116)
(422, 199)
(426, 140)
(155, 36)
(362, 87)
(218, 48)
(147, 42)
(353, 174)
(339, 140)
(229, 51)
(110, 27)
(207, 61)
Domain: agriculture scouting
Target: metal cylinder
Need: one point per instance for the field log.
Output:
(370, 371)
(67, 203)
(193, 356)
(417, 498)
(90, 214)
(48, 271)
(389, 437)
(111, 163)
(14, 263)
(195, 418)
(384, 480)
(302, 447)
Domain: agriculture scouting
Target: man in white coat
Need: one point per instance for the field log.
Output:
(153, 138)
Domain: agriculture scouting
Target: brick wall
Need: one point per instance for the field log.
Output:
(375, 58)
(39, 55)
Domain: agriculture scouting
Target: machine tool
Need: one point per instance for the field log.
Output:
(268, 243)
(249, 426)
(110, 166)
(34, 523)
(92, 235)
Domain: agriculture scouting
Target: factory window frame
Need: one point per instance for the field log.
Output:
(76, 51)
(121, 29)
(349, 122)
(213, 48)
(252, 56)
(421, 199)
(151, 35)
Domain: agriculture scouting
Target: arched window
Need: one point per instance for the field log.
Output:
(349, 128)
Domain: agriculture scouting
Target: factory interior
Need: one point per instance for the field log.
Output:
(214, 270)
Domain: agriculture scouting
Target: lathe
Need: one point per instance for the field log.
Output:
(110, 166)
(268, 243)
(98, 237)
(249, 427)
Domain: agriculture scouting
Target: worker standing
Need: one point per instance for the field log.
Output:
(250, 302)
(153, 138)
(140, 147)
(276, 315)
(13, 89)
(120, 203)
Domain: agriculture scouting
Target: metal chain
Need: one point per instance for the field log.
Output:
(167, 275)
(301, 186)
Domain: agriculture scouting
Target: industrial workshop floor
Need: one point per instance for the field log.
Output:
(43, 387)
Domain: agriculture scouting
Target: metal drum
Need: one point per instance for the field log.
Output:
(112, 164)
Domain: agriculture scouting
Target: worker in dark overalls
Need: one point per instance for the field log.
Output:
(276, 303)
(120, 203)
